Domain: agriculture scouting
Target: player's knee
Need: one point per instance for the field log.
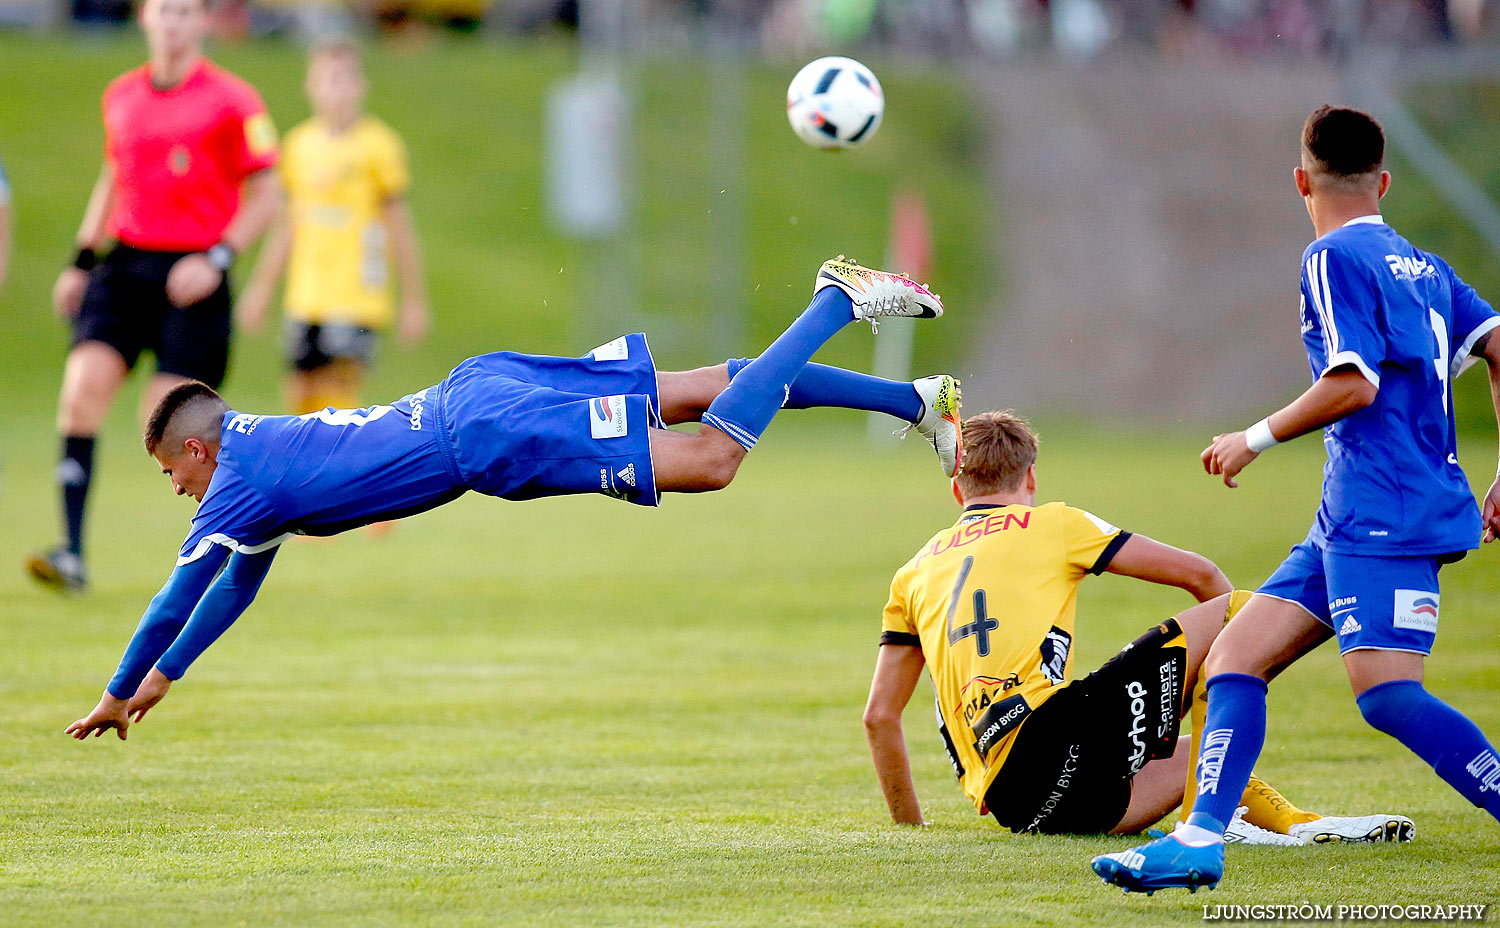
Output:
(719, 465)
(1387, 707)
(1215, 663)
(80, 408)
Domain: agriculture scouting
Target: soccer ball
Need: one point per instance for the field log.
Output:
(835, 103)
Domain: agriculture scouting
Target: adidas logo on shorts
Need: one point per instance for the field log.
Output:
(628, 474)
(1349, 627)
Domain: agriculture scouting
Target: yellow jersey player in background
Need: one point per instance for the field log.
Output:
(987, 605)
(345, 224)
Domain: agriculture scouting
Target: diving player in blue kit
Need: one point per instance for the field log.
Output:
(1386, 327)
(508, 425)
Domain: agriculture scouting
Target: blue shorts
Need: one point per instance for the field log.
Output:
(525, 426)
(1379, 603)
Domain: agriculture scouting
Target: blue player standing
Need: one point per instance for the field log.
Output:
(508, 425)
(1387, 327)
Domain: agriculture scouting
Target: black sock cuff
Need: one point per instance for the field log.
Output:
(80, 448)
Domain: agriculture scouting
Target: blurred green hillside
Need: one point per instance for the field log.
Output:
(472, 112)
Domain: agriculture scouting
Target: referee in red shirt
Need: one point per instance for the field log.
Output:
(187, 184)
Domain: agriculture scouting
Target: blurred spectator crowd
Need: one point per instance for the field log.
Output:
(1079, 29)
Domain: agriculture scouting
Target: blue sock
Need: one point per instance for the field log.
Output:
(1439, 734)
(745, 409)
(822, 385)
(1234, 731)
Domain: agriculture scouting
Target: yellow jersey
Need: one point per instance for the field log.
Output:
(991, 602)
(337, 186)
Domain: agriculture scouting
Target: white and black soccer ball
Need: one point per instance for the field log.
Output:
(835, 103)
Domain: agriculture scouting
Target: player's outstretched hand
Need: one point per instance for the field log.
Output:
(110, 713)
(1227, 455)
(152, 690)
(67, 293)
(192, 279)
(1491, 512)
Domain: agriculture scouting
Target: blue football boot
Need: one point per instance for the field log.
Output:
(1162, 864)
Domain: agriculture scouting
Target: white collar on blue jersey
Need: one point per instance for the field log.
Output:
(1374, 219)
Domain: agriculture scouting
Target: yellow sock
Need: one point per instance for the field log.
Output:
(1196, 712)
(1268, 809)
(1199, 709)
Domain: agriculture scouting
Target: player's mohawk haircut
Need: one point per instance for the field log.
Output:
(1344, 142)
(182, 398)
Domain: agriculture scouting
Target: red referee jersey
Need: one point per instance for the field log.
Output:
(180, 155)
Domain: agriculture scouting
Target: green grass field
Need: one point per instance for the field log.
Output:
(576, 712)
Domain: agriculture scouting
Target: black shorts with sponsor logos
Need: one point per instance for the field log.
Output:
(1069, 770)
(126, 308)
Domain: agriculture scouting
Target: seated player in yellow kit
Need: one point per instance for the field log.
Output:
(346, 222)
(987, 605)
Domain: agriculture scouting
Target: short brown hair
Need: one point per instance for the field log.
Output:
(999, 447)
(193, 399)
(1346, 144)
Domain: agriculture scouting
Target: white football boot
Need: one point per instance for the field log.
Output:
(940, 423)
(878, 293)
(1359, 828)
(1242, 832)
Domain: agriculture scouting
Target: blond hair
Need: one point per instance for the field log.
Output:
(999, 447)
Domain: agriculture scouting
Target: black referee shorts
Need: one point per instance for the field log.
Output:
(126, 308)
(1069, 770)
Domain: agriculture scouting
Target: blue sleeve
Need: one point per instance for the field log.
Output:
(1347, 307)
(224, 602)
(164, 619)
(1473, 318)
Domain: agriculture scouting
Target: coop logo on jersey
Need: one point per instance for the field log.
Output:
(607, 417)
(1416, 610)
(616, 350)
(1002, 717)
(417, 399)
(1405, 267)
(1055, 648)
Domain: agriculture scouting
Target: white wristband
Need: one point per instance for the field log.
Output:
(1259, 437)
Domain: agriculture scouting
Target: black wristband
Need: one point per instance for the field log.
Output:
(221, 256)
(85, 259)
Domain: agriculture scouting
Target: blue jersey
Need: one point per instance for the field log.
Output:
(1392, 484)
(321, 474)
(505, 424)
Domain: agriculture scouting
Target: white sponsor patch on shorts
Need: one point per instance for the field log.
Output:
(1416, 610)
(607, 417)
(616, 350)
